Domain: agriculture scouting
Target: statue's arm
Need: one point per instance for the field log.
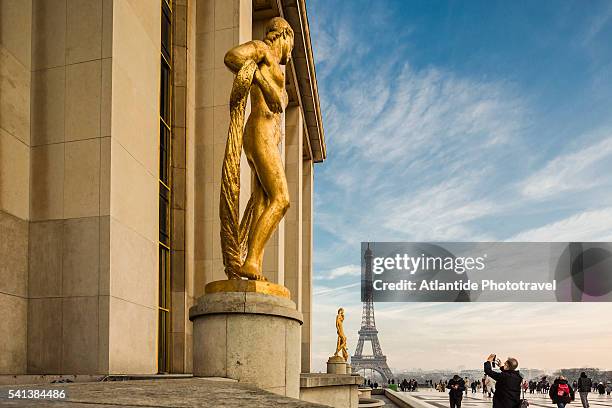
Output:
(237, 56)
(255, 51)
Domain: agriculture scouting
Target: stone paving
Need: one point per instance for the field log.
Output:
(478, 400)
(387, 401)
(184, 393)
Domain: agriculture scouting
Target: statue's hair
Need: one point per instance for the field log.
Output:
(341, 309)
(276, 28)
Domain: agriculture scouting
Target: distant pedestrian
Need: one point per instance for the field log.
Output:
(456, 387)
(601, 388)
(489, 386)
(585, 384)
(561, 392)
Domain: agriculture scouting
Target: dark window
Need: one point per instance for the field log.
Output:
(165, 93)
(164, 215)
(165, 137)
(166, 27)
(164, 154)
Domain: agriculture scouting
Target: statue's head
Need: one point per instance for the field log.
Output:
(280, 34)
(341, 311)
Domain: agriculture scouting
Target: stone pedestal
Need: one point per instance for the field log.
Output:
(336, 365)
(334, 390)
(248, 331)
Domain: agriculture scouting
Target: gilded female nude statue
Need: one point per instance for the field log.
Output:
(341, 346)
(257, 65)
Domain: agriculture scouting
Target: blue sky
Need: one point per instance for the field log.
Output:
(461, 121)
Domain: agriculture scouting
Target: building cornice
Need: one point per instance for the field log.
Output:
(294, 11)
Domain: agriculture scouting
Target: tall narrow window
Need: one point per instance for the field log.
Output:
(165, 137)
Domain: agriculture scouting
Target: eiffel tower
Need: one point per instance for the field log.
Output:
(368, 332)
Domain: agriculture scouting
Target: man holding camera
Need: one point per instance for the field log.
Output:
(507, 382)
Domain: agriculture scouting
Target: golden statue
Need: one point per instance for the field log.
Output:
(341, 344)
(257, 65)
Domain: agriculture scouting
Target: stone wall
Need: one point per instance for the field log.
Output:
(69, 191)
(15, 86)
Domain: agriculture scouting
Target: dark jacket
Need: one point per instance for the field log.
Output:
(456, 394)
(507, 387)
(585, 384)
(566, 399)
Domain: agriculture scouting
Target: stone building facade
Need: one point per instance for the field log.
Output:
(113, 120)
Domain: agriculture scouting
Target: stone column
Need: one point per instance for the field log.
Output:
(294, 134)
(188, 155)
(307, 210)
(132, 285)
(220, 25)
(183, 40)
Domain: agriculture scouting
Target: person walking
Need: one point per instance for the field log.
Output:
(585, 384)
(561, 392)
(507, 383)
(456, 386)
(489, 386)
(601, 388)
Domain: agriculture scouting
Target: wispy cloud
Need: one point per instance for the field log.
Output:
(342, 271)
(326, 291)
(440, 212)
(571, 172)
(595, 225)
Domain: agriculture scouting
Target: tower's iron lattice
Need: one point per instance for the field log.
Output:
(368, 332)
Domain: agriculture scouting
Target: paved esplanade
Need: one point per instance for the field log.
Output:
(431, 399)
(162, 393)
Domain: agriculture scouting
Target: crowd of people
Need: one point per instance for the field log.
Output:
(541, 386)
(408, 385)
(508, 389)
